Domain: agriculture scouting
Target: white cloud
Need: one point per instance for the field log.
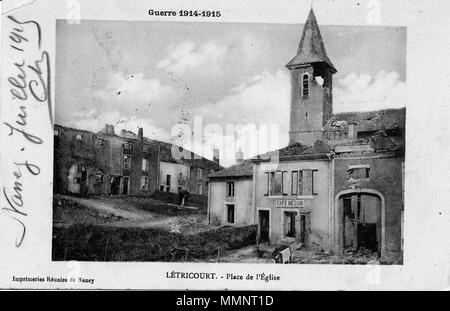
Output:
(134, 88)
(187, 55)
(263, 101)
(364, 92)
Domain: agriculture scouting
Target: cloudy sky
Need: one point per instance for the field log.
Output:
(150, 74)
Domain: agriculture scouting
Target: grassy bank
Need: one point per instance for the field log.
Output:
(103, 243)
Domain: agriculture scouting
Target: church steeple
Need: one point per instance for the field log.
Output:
(311, 48)
(311, 86)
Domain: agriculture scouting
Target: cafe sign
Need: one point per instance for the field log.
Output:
(289, 203)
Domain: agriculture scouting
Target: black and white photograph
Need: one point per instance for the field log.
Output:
(224, 145)
(246, 143)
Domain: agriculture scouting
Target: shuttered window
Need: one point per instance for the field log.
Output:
(276, 183)
(267, 183)
(285, 183)
(314, 182)
(307, 185)
(300, 183)
(294, 185)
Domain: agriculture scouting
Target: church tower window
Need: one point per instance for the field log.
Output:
(305, 85)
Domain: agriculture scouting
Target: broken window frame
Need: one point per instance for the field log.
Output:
(199, 188)
(351, 169)
(144, 165)
(99, 141)
(98, 178)
(144, 182)
(127, 162)
(230, 189)
(127, 146)
(199, 173)
(81, 168)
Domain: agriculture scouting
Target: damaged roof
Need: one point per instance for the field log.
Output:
(311, 48)
(368, 121)
(298, 149)
(244, 169)
(164, 147)
(165, 155)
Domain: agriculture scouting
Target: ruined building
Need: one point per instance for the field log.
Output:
(87, 163)
(337, 185)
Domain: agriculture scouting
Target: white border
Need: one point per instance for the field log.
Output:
(427, 222)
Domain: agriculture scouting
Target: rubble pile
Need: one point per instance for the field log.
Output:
(350, 257)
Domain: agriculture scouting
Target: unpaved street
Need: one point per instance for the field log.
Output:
(119, 212)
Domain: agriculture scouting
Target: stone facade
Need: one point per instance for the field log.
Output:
(126, 164)
(80, 161)
(384, 183)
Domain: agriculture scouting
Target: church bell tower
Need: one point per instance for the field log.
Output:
(311, 86)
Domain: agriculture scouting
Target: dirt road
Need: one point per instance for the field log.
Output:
(117, 212)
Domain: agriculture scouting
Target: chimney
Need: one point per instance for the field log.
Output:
(239, 156)
(109, 129)
(140, 133)
(216, 157)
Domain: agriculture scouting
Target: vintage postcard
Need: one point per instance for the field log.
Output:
(224, 145)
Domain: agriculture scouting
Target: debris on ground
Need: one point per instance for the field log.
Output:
(248, 254)
(349, 257)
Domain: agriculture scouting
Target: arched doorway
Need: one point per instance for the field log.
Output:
(361, 220)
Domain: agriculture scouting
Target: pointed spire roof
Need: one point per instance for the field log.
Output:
(311, 48)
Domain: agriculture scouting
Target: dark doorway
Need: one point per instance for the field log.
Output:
(125, 186)
(168, 183)
(230, 213)
(361, 221)
(367, 236)
(83, 180)
(264, 226)
(303, 229)
(115, 185)
(348, 220)
(289, 224)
